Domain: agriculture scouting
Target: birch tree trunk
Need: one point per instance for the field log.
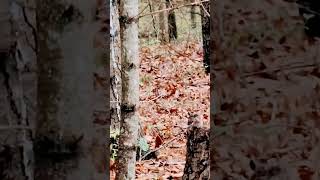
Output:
(205, 19)
(18, 88)
(130, 90)
(72, 124)
(115, 67)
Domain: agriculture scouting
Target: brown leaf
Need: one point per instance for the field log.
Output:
(158, 141)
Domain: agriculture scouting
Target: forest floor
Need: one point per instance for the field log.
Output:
(173, 85)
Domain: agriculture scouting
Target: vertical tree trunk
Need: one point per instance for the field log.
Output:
(172, 25)
(163, 23)
(193, 16)
(154, 33)
(130, 90)
(197, 158)
(18, 89)
(205, 19)
(71, 126)
(115, 67)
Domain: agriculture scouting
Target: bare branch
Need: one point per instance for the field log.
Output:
(173, 8)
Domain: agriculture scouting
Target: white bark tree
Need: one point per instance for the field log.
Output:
(115, 66)
(130, 90)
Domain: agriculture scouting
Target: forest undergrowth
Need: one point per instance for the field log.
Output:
(173, 87)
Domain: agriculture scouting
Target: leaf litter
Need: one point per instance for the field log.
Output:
(172, 85)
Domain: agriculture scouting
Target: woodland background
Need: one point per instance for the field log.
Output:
(173, 90)
(54, 92)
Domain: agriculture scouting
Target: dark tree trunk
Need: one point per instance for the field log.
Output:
(205, 19)
(172, 22)
(197, 159)
(17, 89)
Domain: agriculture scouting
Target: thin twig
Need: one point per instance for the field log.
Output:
(204, 10)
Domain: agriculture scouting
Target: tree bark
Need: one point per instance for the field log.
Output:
(154, 33)
(115, 67)
(205, 19)
(72, 122)
(172, 25)
(163, 23)
(18, 89)
(197, 158)
(130, 90)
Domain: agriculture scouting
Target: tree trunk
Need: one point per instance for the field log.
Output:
(163, 23)
(154, 33)
(193, 16)
(115, 67)
(197, 158)
(71, 126)
(205, 19)
(172, 25)
(130, 90)
(18, 90)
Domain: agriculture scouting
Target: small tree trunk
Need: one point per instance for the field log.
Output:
(115, 88)
(154, 33)
(126, 160)
(193, 16)
(205, 19)
(172, 25)
(163, 23)
(197, 159)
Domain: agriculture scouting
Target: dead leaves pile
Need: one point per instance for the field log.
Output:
(173, 84)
